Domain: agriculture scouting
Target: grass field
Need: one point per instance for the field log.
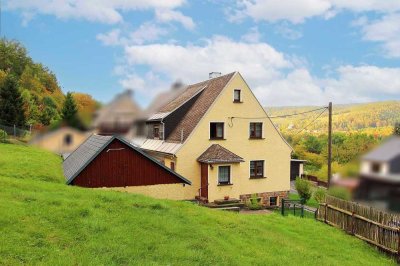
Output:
(43, 221)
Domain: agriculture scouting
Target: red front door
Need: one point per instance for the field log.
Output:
(204, 181)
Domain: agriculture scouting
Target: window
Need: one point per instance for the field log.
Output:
(255, 130)
(68, 139)
(224, 175)
(273, 201)
(172, 166)
(256, 169)
(236, 96)
(156, 132)
(376, 168)
(216, 130)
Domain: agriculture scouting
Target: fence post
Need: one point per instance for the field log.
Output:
(398, 245)
(326, 213)
(302, 211)
(15, 133)
(283, 207)
(352, 223)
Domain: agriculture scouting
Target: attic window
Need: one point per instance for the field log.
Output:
(255, 130)
(237, 96)
(376, 168)
(156, 132)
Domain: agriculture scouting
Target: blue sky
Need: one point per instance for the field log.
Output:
(304, 52)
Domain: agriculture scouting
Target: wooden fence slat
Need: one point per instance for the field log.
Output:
(373, 226)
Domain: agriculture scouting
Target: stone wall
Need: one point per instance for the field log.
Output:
(264, 197)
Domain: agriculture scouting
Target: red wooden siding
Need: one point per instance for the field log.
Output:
(121, 167)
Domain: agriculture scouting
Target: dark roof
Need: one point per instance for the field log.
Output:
(77, 161)
(389, 150)
(218, 154)
(207, 91)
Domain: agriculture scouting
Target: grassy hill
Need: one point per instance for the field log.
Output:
(43, 221)
(372, 118)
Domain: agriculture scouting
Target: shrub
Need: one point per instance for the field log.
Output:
(339, 192)
(254, 202)
(303, 187)
(3, 136)
(320, 195)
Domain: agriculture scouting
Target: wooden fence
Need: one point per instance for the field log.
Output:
(373, 226)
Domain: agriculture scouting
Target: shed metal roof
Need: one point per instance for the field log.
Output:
(161, 146)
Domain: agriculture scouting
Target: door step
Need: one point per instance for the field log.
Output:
(231, 209)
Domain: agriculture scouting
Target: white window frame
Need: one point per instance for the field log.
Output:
(209, 130)
(241, 96)
(230, 177)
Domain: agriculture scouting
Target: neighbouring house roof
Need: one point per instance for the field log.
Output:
(389, 150)
(122, 110)
(206, 93)
(160, 146)
(77, 161)
(218, 154)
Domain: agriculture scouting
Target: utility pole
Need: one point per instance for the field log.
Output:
(330, 144)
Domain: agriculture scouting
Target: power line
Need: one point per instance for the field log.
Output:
(306, 112)
(309, 124)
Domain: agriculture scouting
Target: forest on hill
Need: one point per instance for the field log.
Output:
(357, 129)
(370, 118)
(37, 92)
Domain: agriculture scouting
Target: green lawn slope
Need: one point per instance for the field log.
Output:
(44, 221)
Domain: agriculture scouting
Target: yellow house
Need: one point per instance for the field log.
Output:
(61, 141)
(216, 134)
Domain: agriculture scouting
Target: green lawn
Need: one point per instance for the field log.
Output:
(311, 202)
(43, 221)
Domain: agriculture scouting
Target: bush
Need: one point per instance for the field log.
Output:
(303, 187)
(320, 195)
(3, 136)
(254, 202)
(340, 193)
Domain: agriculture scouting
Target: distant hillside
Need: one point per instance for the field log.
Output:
(372, 118)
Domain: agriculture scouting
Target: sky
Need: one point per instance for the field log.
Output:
(303, 52)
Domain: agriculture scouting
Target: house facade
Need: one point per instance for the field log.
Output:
(62, 141)
(380, 175)
(217, 135)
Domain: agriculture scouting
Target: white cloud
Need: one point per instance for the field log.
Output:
(385, 30)
(253, 36)
(193, 62)
(111, 38)
(276, 79)
(300, 10)
(287, 32)
(168, 15)
(104, 11)
(147, 32)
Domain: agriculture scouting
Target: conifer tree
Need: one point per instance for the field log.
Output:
(69, 112)
(11, 103)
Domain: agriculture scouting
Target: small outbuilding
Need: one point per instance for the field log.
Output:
(296, 168)
(111, 161)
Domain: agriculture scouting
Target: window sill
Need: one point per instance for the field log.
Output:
(237, 102)
(217, 139)
(257, 177)
(255, 138)
(223, 185)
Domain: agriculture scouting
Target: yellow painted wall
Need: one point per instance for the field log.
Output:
(54, 141)
(166, 191)
(272, 149)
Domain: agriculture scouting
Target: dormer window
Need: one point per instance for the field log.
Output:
(376, 168)
(237, 96)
